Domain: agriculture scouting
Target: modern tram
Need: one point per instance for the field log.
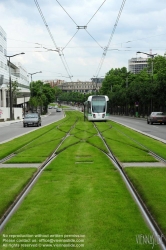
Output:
(96, 108)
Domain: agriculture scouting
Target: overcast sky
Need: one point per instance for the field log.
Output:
(141, 27)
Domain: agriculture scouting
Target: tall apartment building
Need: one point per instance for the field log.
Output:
(135, 65)
(18, 74)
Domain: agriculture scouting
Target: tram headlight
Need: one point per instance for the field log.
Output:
(94, 116)
(103, 115)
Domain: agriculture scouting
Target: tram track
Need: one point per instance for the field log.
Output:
(151, 222)
(7, 158)
(146, 148)
(17, 201)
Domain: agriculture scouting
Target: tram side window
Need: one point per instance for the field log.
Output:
(89, 107)
(107, 109)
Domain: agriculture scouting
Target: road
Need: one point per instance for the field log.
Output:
(155, 130)
(9, 130)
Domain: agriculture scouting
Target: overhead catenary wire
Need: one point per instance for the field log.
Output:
(66, 12)
(94, 39)
(52, 38)
(81, 27)
(95, 13)
(110, 39)
(106, 48)
(129, 41)
(70, 76)
(38, 7)
(70, 40)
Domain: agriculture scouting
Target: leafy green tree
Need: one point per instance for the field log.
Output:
(41, 95)
(58, 92)
(147, 88)
(15, 91)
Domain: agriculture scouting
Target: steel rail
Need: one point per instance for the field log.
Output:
(157, 232)
(13, 207)
(140, 144)
(7, 158)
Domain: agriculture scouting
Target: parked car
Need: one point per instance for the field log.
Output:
(156, 117)
(32, 119)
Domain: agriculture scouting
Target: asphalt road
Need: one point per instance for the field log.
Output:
(9, 130)
(155, 130)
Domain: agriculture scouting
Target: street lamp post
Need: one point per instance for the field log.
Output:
(10, 83)
(31, 74)
(152, 56)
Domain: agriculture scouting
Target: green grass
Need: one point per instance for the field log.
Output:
(80, 192)
(150, 183)
(86, 126)
(127, 153)
(40, 144)
(17, 143)
(123, 147)
(65, 128)
(97, 142)
(41, 148)
(81, 134)
(88, 199)
(152, 144)
(103, 126)
(71, 140)
(12, 182)
(35, 154)
(52, 136)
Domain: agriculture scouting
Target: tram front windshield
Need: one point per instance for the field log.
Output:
(98, 104)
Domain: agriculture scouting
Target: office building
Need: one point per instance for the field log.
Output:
(135, 65)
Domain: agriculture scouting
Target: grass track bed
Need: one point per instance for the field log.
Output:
(40, 152)
(97, 142)
(71, 140)
(87, 199)
(15, 144)
(150, 183)
(80, 192)
(11, 182)
(152, 144)
(123, 147)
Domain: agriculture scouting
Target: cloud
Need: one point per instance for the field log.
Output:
(140, 27)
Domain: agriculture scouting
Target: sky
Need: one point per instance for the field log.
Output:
(66, 39)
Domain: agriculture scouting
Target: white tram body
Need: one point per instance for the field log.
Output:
(96, 108)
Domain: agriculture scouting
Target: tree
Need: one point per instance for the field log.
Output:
(58, 92)
(41, 95)
(15, 90)
(145, 89)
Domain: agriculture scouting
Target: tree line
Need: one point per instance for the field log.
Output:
(139, 93)
(129, 94)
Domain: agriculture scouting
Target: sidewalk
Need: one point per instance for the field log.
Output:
(7, 123)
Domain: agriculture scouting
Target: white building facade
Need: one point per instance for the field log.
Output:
(82, 86)
(135, 65)
(18, 74)
(4, 75)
